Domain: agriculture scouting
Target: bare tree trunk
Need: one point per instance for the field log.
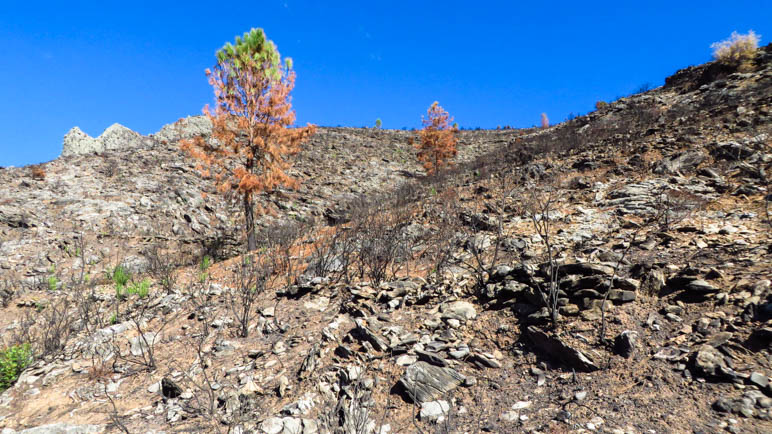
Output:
(249, 213)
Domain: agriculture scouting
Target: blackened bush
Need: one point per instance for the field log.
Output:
(281, 242)
(381, 249)
(254, 274)
(161, 267)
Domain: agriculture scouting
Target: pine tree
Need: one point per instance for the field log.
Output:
(438, 140)
(251, 123)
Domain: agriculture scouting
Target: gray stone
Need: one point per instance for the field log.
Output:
(621, 296)
(685, 161)
(185, 128)
(430, 357)
(292, 426)
(61, 428)
(625, 343)
(363, 333)
(585, 269)
(424, 382)
(719, 339)
(709, 362)
(76, 142)
(741, 406)
(483, 361)
(759, 379)
(463, 309)
(140, 344)
(699, 285)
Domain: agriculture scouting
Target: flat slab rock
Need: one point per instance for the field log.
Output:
(554, 348)
(58, 428)
(586, 269)
(424, 382)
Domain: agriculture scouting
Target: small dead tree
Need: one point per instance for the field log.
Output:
(539, 207)
(115, 417)
(254, 274)
(282, 247)
(673, 206)
(767, 194)
(55, 326)
(380, 246)
(142, 313)
(610, 286)
(200, 377)
(162, 267)
(442, 242)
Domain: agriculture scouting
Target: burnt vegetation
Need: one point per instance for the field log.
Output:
(481, 237)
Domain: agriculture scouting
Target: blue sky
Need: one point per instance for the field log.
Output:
(490, 63)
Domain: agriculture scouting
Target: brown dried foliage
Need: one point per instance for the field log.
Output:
(251, 131)
(438, 140)
(38, 173)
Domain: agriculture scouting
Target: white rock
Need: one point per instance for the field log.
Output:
(155, 387)
(139, 345)
(510, 416)
(434, 411)
(272, 425)
(520, 405)
(406, 360)
(292, 426)
(463, 309)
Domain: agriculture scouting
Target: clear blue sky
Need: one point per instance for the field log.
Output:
(488, 63)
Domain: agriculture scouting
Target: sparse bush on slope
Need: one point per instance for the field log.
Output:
(737, 51)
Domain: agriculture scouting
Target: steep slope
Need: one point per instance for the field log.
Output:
(430, 309)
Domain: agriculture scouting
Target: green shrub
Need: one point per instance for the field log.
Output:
(120, 276)
(206, 262)
(738, 51)
(141, 289)
(53, 283)
(13, 360)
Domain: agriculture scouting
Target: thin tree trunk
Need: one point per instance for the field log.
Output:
(249, 213)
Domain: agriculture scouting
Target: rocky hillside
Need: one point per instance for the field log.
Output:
(612, 273)
(124, 192)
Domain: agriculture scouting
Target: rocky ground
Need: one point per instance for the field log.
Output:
(610, 274)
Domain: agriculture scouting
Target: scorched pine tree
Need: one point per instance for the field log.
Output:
(438, 140)
(251, 123)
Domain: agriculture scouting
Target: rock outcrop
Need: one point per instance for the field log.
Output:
(115, 137)
(185, 128)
